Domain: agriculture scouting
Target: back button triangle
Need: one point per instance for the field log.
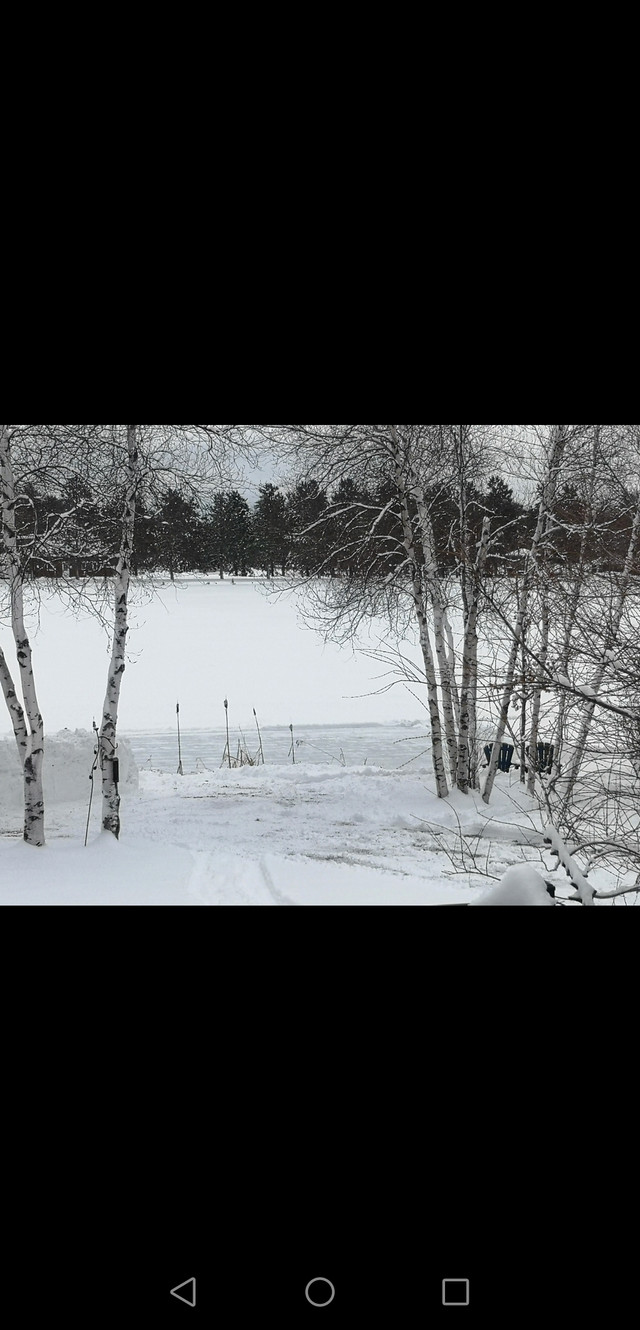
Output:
(185, 1292)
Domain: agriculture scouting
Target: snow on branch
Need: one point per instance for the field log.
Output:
(584, 891)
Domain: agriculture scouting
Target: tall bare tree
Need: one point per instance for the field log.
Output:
(117, 665)
(29, 737)
(145, 458)
(555, 453)
(401, 475)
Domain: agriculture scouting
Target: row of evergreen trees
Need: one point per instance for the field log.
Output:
(301, 531)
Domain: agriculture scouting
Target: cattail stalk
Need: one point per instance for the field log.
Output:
(259, 736)
(180, 767)
(226, 708)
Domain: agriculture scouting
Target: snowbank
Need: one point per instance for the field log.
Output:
(68, 760)
(521, 885)
(107, 872)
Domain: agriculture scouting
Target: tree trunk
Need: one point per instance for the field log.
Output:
(573, 608)
(567, 785)
(420, 608)
(15, 710)
(549, 490)
(31, 743)
(537, 695)
(446, 659)
(409, 485)
(108, 730)
(469, 687)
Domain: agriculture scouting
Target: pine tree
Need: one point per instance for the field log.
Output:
(270, 529)
(239, 533)
(306, 505)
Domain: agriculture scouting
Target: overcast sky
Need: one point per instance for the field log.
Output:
(266, 472)
(269, 470)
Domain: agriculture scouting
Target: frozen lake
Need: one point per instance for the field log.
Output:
(390, 746)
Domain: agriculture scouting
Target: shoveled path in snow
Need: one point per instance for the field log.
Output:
(303, 835)
(311, 835)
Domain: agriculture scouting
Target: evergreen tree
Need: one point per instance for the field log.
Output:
(238, 533)
(306, 504)
(170, 535)
(270, 529)
(504, 510)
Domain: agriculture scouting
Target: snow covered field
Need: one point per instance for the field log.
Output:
(369, 832)
(273, 835)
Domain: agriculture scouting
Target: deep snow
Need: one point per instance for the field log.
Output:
(280, 835)
(317, 833)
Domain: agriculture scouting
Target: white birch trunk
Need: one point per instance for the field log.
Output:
(13, 705)
(109, 726)
(567, 785)
(409, 485)
(452, 669)
(460, 446)
(420, 608)
(549, 490)
(573, 610)
(31, 742)
(537, 695)
(469, 686)
(441, 624)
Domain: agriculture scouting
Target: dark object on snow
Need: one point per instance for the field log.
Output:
(544, 763)
(505, 759)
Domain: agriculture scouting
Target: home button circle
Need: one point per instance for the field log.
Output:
(320, 1292)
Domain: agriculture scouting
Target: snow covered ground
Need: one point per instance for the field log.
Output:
(369, 832)
(273, 835)
(199, 641)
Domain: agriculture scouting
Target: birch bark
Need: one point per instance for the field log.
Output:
(420, 608)
(13, 705)
(549, 490)
(410, 485)
(30, 741)
(441, 625)
(574, 602)
(567, 785)
(541, 671)
(469, 686)
(109, 726)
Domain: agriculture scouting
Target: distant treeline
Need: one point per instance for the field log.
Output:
(302, 531)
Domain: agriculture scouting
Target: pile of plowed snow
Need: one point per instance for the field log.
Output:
(68, 760)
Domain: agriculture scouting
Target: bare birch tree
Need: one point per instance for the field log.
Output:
(145, 456)
(30, 741)
(117, 665)
(566, 785)
(418, 468)
(549, 487)
(469, 684)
